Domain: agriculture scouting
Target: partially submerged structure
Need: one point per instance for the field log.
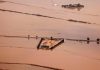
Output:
(73, 6)
(49, 43)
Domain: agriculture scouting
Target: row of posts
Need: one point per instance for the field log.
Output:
(97, 40)
(30, 37)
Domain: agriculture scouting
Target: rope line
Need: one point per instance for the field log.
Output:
(38, 37)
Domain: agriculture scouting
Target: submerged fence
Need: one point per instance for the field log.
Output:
(87, 40)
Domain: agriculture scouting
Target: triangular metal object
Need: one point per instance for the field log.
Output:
(49, 43)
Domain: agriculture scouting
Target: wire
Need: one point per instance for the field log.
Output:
(38, 37)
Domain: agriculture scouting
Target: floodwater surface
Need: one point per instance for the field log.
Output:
(71, 55)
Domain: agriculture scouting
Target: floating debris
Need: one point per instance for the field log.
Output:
(49, 43)
(73, 6)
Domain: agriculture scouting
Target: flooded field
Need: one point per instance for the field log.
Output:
(24, 23)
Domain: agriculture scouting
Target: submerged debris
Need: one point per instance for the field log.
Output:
(48, 42)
